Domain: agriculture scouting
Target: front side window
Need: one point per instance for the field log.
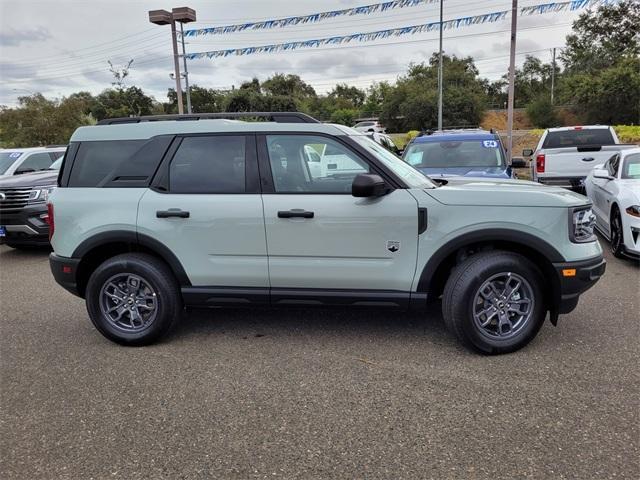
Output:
(214, 164)
(631, 166)
(296, 169)
(455, 154)
(35, 162)
(612, 165)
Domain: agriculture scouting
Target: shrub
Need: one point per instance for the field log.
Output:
(541, 113)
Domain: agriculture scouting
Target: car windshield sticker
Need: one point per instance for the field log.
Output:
(15, 154)
(634, 169)
(490, 143)
(414, 158)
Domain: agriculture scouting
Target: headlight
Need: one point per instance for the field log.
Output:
(581, 224)
(634, 210)
(41, 194)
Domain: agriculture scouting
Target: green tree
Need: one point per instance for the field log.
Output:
(376, 96)
(288, 85)
(351, 95)
(37, 121)
(345, 116)
(541, 112)
(203, 100)
(122, 102)
(602, 37)
(610, 96)
(412, 104)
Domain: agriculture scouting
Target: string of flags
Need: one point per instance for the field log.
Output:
(304, 19)
(455, 23)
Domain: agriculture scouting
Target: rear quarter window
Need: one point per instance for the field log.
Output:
(116, 163)
(578, 138)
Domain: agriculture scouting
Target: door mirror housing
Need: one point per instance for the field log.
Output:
(518, 162)
(601, 173)
(368, 185)
(527, 152)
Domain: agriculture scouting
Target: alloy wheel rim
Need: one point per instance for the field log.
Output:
(128, 302)
(503, 305)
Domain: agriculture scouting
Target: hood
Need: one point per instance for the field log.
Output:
(504, 192)
(631, 185)
(490, 172)
(34, 179)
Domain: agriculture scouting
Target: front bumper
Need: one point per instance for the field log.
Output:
(576, 278)
(65, 271)
(27, 226)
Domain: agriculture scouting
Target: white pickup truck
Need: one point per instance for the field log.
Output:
(565, 155)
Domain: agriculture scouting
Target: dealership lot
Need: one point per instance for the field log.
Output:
(314, 393)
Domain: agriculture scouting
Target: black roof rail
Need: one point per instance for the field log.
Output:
(278, 117)
(56, 146)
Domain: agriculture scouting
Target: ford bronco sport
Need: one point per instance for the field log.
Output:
(158, 213)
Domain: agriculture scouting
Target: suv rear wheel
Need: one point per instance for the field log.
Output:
(133, 299)
(493, 302)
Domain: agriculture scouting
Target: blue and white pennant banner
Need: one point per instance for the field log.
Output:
(396, 32)
(304, 19)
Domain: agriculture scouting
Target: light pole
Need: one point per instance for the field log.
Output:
(440, 73)
(186, 72)
(162, 17)
(512, 76)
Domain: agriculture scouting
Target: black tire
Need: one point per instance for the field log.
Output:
(615, 233)
(459, 301)
(162, 286)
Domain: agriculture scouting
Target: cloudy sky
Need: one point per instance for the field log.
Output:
(61, 46)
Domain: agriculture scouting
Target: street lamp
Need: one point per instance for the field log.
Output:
(181, 15)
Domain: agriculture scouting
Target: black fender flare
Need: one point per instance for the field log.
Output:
(134, 238)
(527, 240)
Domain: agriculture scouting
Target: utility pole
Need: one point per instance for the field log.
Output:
(553, 74)
(186, 72)
(512, 68)
(163, 17)
(440, 71)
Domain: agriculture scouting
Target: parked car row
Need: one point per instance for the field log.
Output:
(28, 177)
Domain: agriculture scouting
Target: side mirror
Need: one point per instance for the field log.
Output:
(601, 173)
(518, 162)
(368, 185)
(527, 152)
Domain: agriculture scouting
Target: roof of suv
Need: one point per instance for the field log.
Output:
(52, 148)
(145, 130)
(456, 135)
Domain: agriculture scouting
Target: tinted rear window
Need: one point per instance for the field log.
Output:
(97, 162)
(578, 138)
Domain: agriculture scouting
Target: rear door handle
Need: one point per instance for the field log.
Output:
(295, 213)
(172, 212)
(588, 159)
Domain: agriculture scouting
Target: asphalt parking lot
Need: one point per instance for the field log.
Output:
(314, 393)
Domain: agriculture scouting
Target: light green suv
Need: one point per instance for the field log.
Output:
(154, 214)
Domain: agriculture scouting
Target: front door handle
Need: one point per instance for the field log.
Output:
(295, 213)
(172, 212)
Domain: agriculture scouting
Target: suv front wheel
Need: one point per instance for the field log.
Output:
(133, 299)
(493, 302)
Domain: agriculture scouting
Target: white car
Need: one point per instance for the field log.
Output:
(370, 126)
(14, 161)
(614, 189)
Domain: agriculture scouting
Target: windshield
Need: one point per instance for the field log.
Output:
(7, 159)
(578, 138)
(410, 175)
(631, 167)
(455, 154)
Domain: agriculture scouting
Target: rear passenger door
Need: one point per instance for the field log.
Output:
(206, 208)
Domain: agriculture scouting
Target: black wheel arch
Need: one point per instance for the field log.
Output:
(435, 273)
(96, 249)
